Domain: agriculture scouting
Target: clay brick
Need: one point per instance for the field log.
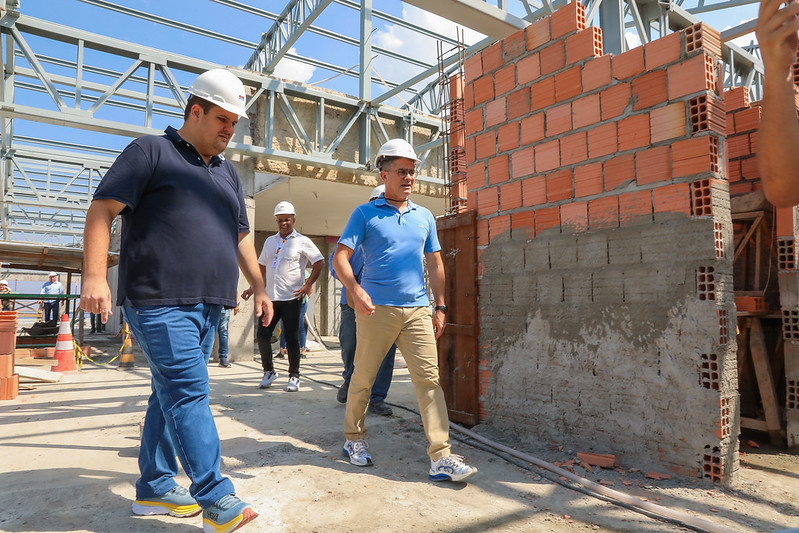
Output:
(528, 69)
(567, 84)
(784, 221)
(547, 156)
(524, 223)
(486, 145)
(603, 212)
(596, 73)
(698, 155)
(553, 57)
(471, 150)
(534, 191)
(567, 19)
(602, 140)
(547, 217)
(583, 45)
(663, 51)
(574, 148)
(473, 67)
(522, 163)
(742, 187)
(519, 103)
(558, 120)
(649, 90)
(532, 129)
(596, 459)
(738, 146)
(675, 198)
(498, 225)
(618, 171)
(487, 201)
(734, 171)
(691, 76)
(6, 365)
(587, 180)
(667, 122)
(476, 175)
(538, 33)
(508, 137)
(513, 46)
(495, 112)
(474, 121)
(707, 114)
(628, 64)
(505, 80)
(468, 96)
(747, 119)
(750, 169)
(543, 93)
(471, 201)
(614, 100)
(736, 98)
(492, 57)
(483, 89)
(635, 206)
(498, 169)
(585, 111)
(574, 216)
(653, 165)
(559, 185)
(633, 132)
(510, 195)
(700, 36)
(482, 233)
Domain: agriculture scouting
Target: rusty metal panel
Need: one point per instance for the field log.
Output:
(457, 347)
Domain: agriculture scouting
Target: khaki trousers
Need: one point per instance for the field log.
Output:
(411, 328)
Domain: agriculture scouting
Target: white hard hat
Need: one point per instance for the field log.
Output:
(53, 274)
(3, 282)
(284, 208)
(395, 148)
(377, 191)
(221, 87)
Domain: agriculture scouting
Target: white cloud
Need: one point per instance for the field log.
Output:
(291, 69)
(633, 39)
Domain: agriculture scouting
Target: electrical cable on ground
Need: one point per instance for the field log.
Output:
(583, 485)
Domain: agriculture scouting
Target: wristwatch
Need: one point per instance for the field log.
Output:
(442, 308)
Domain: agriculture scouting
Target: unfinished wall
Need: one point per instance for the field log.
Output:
(604, 233)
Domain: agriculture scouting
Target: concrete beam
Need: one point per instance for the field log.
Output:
(474, 14)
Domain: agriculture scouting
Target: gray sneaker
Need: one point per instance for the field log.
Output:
(356, 451)
(269, 377)
(450, 468)
(226, 514)
(175, 502)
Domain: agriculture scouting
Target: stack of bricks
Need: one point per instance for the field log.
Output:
(9, 380)
(603, 215)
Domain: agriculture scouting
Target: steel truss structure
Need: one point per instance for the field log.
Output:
(116, 87)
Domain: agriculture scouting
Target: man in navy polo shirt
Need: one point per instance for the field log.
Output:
(392, 306)
(184, 234)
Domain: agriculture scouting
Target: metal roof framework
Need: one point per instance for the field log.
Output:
(107, 85)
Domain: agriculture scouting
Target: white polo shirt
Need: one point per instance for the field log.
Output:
(285, 261)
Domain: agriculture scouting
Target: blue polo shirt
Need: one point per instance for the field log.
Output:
(180, 224)
(394, 244)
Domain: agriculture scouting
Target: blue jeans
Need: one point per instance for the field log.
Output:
(302, 333)
(222, 329)
(51, 311)
(348, 342)
(177, 341)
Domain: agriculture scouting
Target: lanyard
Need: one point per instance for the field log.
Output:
(277, 251)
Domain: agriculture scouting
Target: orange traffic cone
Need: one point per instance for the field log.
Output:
(64, 348)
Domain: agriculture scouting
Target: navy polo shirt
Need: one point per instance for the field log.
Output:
(180, 225)
(394, 244)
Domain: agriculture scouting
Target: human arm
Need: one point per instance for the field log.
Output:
(361, 301)
(307, 287)
(254, 274)
(778, 134)
(95, 295)
(435, 272)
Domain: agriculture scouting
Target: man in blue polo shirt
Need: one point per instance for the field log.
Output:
(184, 234)
(392, 306)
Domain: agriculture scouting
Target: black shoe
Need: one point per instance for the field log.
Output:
(341, 395)
(380, 408)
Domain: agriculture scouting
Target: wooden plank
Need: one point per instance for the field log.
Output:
(753, 423)
(38, 374)
(765, 380)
